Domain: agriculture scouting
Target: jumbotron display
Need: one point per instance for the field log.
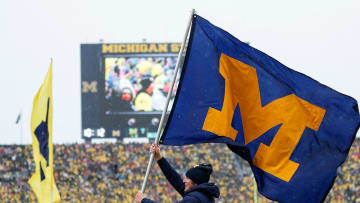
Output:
(124, 89)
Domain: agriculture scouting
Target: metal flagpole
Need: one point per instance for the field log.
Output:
(255, 191)
(52, 151)
(21, 128)
(167, 100)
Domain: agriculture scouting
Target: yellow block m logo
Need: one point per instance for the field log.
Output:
(89, 87)
(294, 113)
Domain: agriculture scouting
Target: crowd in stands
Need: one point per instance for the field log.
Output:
(347, 184)
(115, 173)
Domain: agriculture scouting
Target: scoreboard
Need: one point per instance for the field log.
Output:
(124, 88)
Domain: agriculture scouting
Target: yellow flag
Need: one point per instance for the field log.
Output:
(42, 181)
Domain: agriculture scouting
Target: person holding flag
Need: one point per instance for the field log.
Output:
(195, 187)
(294, 131)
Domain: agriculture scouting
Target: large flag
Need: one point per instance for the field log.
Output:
(42, 181)
(293, 131)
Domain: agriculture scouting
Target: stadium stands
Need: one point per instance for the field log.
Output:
(115, 172)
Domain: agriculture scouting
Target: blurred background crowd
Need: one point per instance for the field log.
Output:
(115, 172)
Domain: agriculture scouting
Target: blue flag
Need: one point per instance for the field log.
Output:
(293, 131)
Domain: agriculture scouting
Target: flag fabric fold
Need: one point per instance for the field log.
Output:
(294, 131)
(42, 181)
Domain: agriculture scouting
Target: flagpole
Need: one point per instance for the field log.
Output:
(255, 191)
(52, 150)
(168, 99)
(21, 127)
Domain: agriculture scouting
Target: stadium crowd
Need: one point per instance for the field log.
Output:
(115, 172)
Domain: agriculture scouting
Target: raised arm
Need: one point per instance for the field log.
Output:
(170, 173)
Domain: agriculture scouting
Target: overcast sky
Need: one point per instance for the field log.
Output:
(318, 38)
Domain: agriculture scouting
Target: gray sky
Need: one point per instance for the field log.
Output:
(318, 38)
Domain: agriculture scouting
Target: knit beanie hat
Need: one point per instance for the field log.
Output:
(200, 173)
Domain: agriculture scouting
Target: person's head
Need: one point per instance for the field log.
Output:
(197, 175)
(126, 94)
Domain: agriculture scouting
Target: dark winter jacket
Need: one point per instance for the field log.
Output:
(202, 193)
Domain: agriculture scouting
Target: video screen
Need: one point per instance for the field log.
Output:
(137, 83)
